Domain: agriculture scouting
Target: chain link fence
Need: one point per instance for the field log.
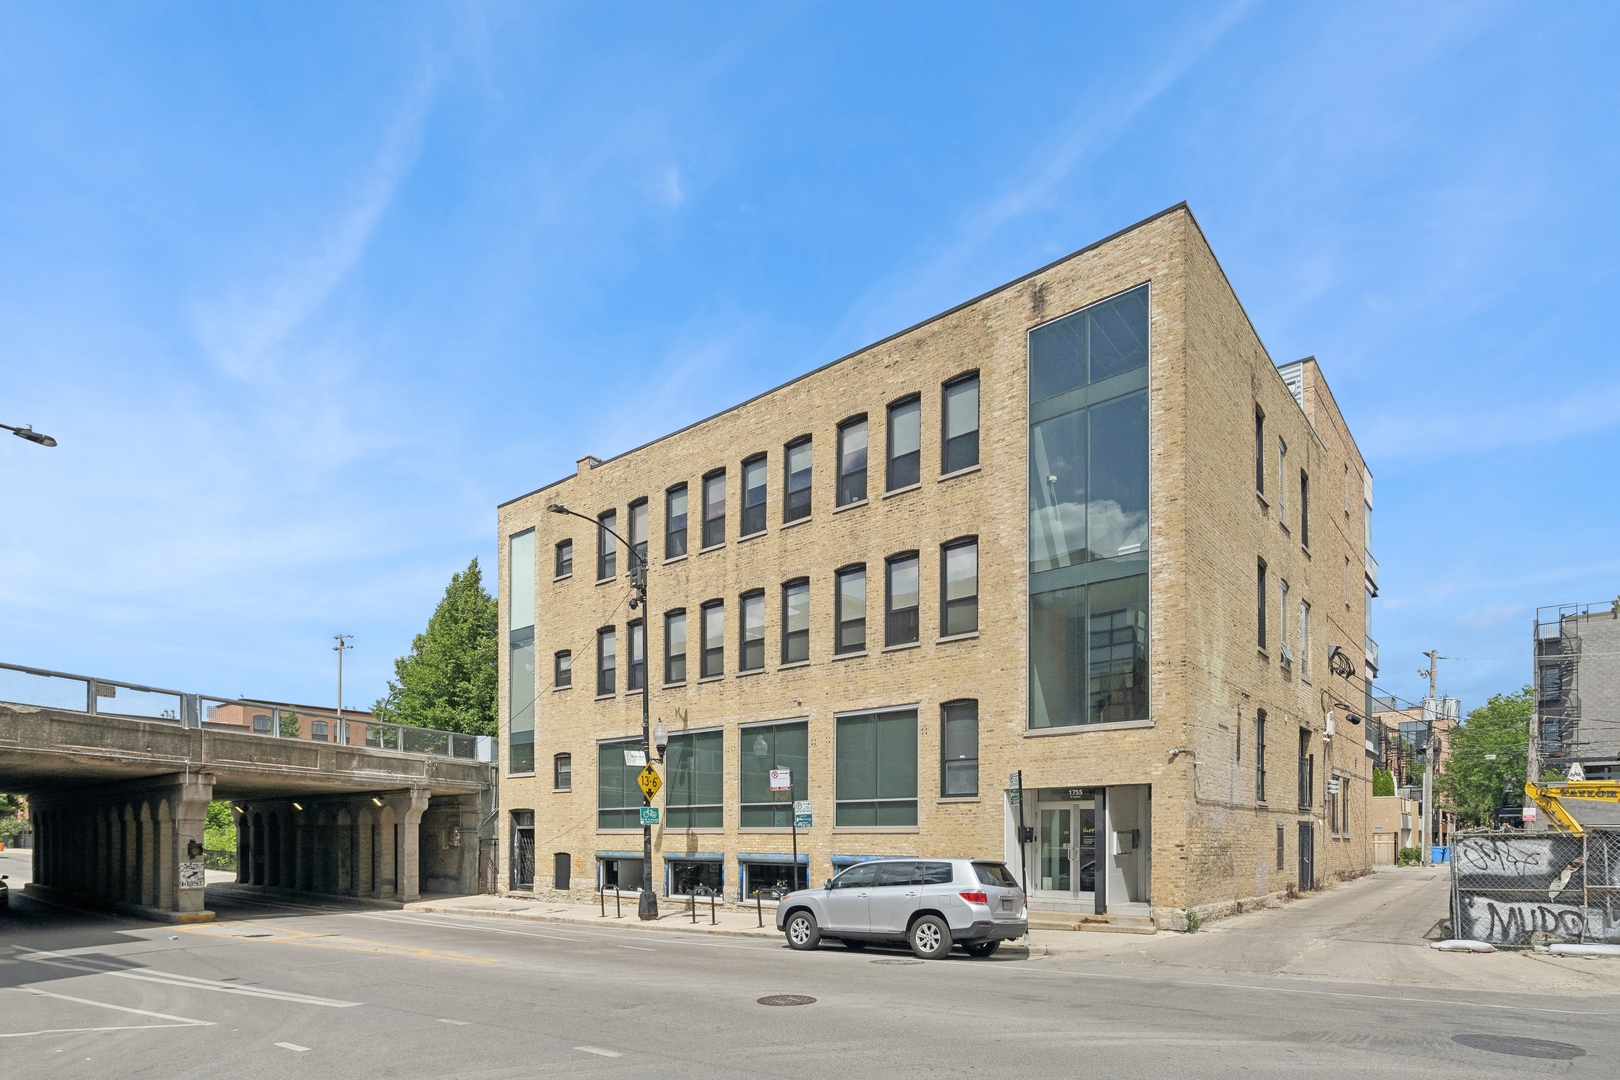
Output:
(1519, 890)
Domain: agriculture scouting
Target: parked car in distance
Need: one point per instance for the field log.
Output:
(1088, 877)
(5, 894)
(929, 904)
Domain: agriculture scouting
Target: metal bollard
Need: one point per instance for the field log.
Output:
(712, 921)
(759, 908)
(601, 898)
(693, 899)
(617, 913)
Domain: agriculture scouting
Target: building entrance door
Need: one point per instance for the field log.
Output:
(1065, 840)
(1307, 856)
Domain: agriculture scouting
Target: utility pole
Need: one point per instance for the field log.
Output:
(340, 648)
(1432, 708)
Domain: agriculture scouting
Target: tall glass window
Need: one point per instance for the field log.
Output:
(520, 653)
(960, 431)
(638, 656)
(618, 799)
(696, 765)
(751, 655)
(714, 509)
(959, 588)
(675, 521)
(607, 660)
(638, 531)
(900, 623)
(852, 461)
(905, 444)
(607, 547)
(959, 749)
(876, 762)
(675, 647)
(753, 503)
(850, 633)
(1088, 515)
(714, 639)
(796, 488)
(773, 746)
(796, 621)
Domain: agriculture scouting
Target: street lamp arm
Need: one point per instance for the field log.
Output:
(27, 432)
(559, 508)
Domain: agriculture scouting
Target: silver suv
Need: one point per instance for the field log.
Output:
(931, 904)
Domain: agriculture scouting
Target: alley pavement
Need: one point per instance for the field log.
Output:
(1341, 983)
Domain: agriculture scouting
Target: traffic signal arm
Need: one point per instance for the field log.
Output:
(1547, 797)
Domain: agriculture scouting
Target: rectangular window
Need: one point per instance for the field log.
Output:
(959, 748)
(1307, 770)
(961, 424)
(959, 588)
(565, 559)
(675, 647)
(317, 730)
(606, 659)
(638, 656)
(520, 653)
(1304, 510)
(675, 522)
(852, 461)
(607, 546)
(520, 580)
(563, 669)
(618, 799)
(876, 762)
(695, 771)
(1282, 482)
(1259, 450)
(714, 639)
(1305, 640)
(795, 621)
(714, 509)
(562, 772)
(1281, 833)
(753, 501)
(1260, 756)
(1260, 601)
(261, 724)
(773, 746)
(1282, 620)
(1088, 484)
(751, 656)
(905, 445)
(1089, 654)
(850, 629)
(638, 533)
(796, 488)
(900, 622)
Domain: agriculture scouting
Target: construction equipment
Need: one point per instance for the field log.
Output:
(1547, 797)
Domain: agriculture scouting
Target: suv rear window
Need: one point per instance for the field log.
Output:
(934, 873)
(994, 873)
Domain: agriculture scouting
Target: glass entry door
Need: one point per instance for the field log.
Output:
(1065, 838)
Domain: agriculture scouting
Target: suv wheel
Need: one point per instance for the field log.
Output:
(982, 948)
(802, 932)
(930, 938)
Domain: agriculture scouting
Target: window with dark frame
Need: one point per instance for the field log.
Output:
(1282, 482)
(1260, 756)
(751, 652)
(1304, 510)
(850, 611)
(852, 461)
(753, 497)
(1259, 450)
(565, 559)
(1281, 834)
(562, 772)
(960, 424)
(900, 617)
(875, 769)
(562, 672)
(714, 509)
(1260, 601)
(1307, 770)
(607, 548)
(784, 745)
(317, 730)
(959, 587)
(675, 646)
(959, 749)
(618, 799)
(638, 532)
(607, 660)
(713, 643)
(796, 482)
(675, 522)
(638, 656)
(905, 444)
(695, 766)
(796, 621)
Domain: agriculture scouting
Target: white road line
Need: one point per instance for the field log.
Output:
(458, 1023)
(580, 938)
(191, 982)
(638, 948)
(179, 1021)
(599, 1051)
(293, 1047)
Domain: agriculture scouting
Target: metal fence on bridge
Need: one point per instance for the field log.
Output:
(1518, 890)
(275, 720)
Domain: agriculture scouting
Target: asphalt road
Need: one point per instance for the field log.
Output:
(313, 992)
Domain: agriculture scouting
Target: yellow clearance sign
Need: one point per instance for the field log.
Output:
(649, 783)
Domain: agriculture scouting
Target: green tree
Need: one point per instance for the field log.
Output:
(448, 679)
(1383, 782)
(219, 828)
(1489, 755)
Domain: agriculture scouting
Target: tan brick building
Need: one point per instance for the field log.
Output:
(1080, 528)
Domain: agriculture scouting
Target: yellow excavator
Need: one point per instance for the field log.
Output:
(1547, 797)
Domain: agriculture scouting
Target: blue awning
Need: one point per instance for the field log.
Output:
(697, 856)
(850, 860)
(618, 854)
(803, 859)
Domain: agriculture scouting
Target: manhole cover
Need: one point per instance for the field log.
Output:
(1520, 1047)
(787, 999)
(897, 961)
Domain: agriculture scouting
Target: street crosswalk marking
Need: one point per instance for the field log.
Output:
(599, 1051)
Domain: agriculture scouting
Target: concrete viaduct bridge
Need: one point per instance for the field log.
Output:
(119, 778)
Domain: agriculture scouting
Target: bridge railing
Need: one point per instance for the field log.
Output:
(274, 720)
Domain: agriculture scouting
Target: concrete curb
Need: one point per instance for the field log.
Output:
(629, 922)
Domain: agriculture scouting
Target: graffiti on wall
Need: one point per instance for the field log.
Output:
(1521, 890)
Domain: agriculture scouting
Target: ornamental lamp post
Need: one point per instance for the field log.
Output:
(647, 908)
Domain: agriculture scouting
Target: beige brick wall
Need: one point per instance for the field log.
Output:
(1206, 369)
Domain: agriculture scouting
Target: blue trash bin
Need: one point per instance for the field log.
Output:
(1440, 854)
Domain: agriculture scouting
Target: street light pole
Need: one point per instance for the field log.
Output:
(27, 432)
(342, 645)
(647, 906)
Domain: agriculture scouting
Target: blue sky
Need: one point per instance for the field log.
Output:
(304, 291)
